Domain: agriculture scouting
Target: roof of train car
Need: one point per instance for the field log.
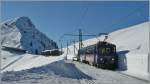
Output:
(100, 43)
(105, 43)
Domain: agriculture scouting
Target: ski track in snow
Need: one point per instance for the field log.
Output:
(68, 72)
(12, 62)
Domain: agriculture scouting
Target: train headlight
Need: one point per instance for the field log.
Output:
(101, 59)
(112, 59)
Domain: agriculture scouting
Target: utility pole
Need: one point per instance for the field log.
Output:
(80, 44)
(74, 46)
(61, 49)
(67, 50)
(80, 35)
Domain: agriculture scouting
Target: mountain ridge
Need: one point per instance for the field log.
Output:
(21, 33)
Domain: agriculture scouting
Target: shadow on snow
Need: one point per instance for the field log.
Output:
(60, 68)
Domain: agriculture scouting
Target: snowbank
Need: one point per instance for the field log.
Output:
(135, 65)
(135, 40)
(67, 72)
(28, 61)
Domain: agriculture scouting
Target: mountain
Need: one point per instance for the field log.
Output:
(21, 33)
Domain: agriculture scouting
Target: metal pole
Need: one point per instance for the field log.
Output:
(67, 50)
(79, 35)
(80, 43)
(74, 46)
(61, 49)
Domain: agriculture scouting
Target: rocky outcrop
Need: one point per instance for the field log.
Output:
(21, 33)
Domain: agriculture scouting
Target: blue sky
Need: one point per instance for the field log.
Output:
(56, 18)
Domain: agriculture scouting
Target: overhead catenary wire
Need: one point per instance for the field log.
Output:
(80, 22)
(126, 17)
(114, 22)
(83, 16)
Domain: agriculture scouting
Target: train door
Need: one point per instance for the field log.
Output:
(95, 55)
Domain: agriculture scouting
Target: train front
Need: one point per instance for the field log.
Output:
(106, 56)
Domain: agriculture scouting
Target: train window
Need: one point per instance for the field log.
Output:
(108, 51)
(103, 50)
(114, 49)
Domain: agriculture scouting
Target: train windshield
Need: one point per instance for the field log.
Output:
(107, 50)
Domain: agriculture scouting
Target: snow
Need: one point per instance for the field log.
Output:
(132, 47)
(22, 33)
(26, 61)
(68, 72)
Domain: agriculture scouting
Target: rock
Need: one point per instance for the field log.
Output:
(21, 33)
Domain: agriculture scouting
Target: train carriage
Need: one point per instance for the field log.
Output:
(102, 54)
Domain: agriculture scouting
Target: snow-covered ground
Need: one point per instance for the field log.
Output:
(68, 72)
(25, 61)
(132, 47)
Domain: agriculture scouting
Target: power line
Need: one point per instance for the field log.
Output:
(126, 17)
(83, 16)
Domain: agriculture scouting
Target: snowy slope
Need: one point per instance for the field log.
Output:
(132, 46)
(21, 33)
(135, 38)
(16, 62)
